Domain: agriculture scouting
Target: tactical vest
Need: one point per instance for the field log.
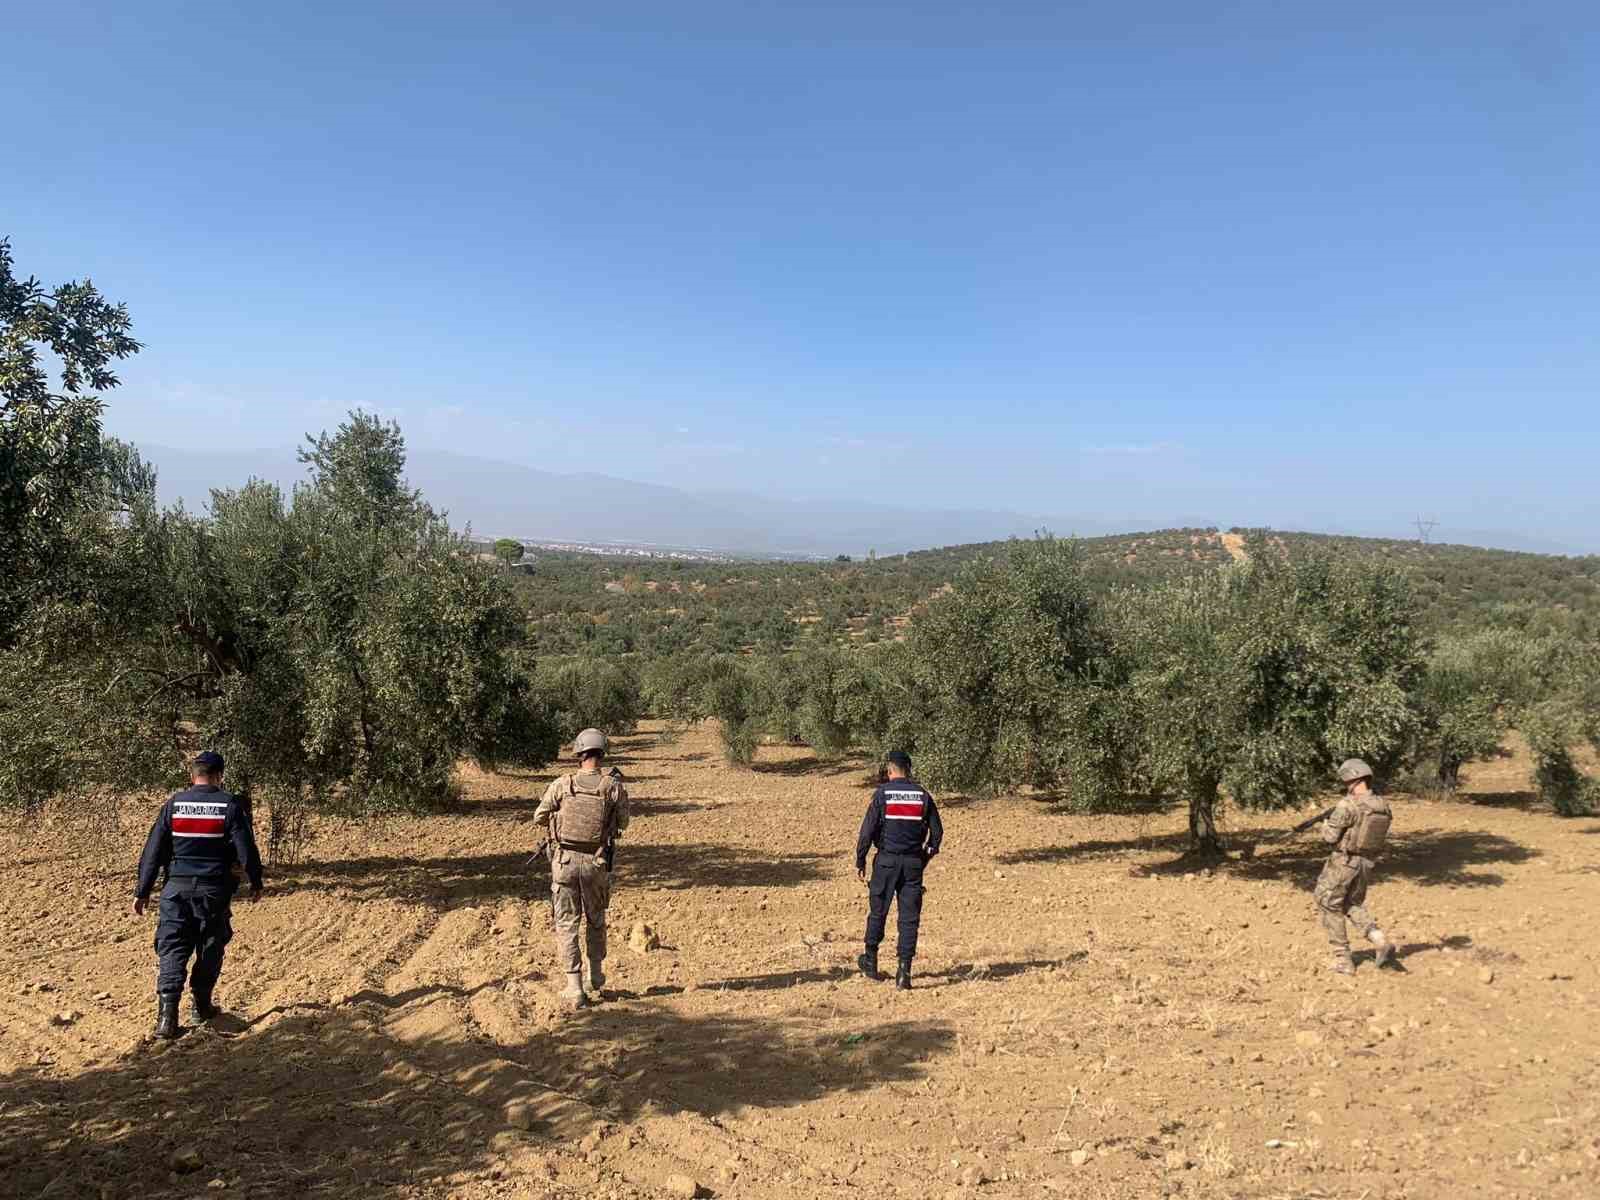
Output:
(198, 821)
(1371, 830)
(583, 822)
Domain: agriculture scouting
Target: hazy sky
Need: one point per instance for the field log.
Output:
(1295, 264)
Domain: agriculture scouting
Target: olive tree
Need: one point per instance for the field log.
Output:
(1002, 669)
(592, 692)
(339, 644)
(1562, 712)
(1252, 681)
(694, 687)
(353, 610)
(1474, 685)
(57, 348)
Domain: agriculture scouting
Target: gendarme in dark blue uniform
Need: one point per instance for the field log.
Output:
(903, 823)
(198, 837)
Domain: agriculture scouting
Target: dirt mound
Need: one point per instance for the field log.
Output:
(1077, 1030)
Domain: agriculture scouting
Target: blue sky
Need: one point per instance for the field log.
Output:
(1304, 265)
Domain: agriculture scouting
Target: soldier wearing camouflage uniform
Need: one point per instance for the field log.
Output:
(1357, 828)
(585, 811)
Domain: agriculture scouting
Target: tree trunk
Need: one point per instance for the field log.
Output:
(1203, 817)
(1449, 772)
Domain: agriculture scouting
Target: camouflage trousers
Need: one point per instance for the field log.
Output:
(1341, 893)
(580, 887)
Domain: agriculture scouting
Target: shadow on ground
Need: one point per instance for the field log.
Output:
(1525, 801)
(1426, 856)
(1450, 857)
(330, 1103)
(977, 972)
(812, 765)
(1099, 848)
(663, 808)
(474, 879)
(777, 981)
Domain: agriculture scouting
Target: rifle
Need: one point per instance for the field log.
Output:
(1248, 851)
(609, 854)
(542, 850)
(1321, 816)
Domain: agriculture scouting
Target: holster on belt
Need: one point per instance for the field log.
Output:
(596, 850)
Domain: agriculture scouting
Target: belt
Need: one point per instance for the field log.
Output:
(582, 847)
(203, 881)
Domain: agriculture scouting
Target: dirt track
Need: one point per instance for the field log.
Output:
(1081, 1027)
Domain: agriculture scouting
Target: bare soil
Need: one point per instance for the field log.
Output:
(1089, 1018)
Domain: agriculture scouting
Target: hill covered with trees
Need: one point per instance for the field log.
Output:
(584, 603)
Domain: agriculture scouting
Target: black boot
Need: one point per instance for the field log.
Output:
(868, 962)
(902, 978)
(166, 1017)
(204, 1010)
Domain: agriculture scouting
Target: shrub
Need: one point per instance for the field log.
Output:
(584, 693)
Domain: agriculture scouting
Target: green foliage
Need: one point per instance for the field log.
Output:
(340, 646)
(730, 695)
(1257, 679)
(1552, 729)
(56, 471)
(343, 647)
(353, 611)
(672, 687)
(768, 608)
(1560, 711)
(1473, 685)
(875, 698)
(696, 686)
(1002, 668)
(1466, 587)
(585, 693)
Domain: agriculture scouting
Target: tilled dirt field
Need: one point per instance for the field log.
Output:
(1087, 1020)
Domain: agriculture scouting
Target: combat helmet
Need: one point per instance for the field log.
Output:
(589, 741)
(1352, 769)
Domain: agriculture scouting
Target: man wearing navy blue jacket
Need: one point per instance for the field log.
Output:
(903, 823)
(199, 837)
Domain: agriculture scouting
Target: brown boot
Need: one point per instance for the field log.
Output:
(1385, 957)
(572, 997)
(1342, 963)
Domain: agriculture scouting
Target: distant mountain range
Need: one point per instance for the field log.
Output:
(499, 499)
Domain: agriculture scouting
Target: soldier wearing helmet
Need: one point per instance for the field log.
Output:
(584, 811)
(1357, 828)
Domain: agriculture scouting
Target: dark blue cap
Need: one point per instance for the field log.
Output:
(899, 758)
(208, 760)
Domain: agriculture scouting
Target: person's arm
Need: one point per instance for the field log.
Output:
(870, 825)
(244, 848)
(620, 821)
(935, 826)
(1339, 820)
(157, 854)
(548, 803)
